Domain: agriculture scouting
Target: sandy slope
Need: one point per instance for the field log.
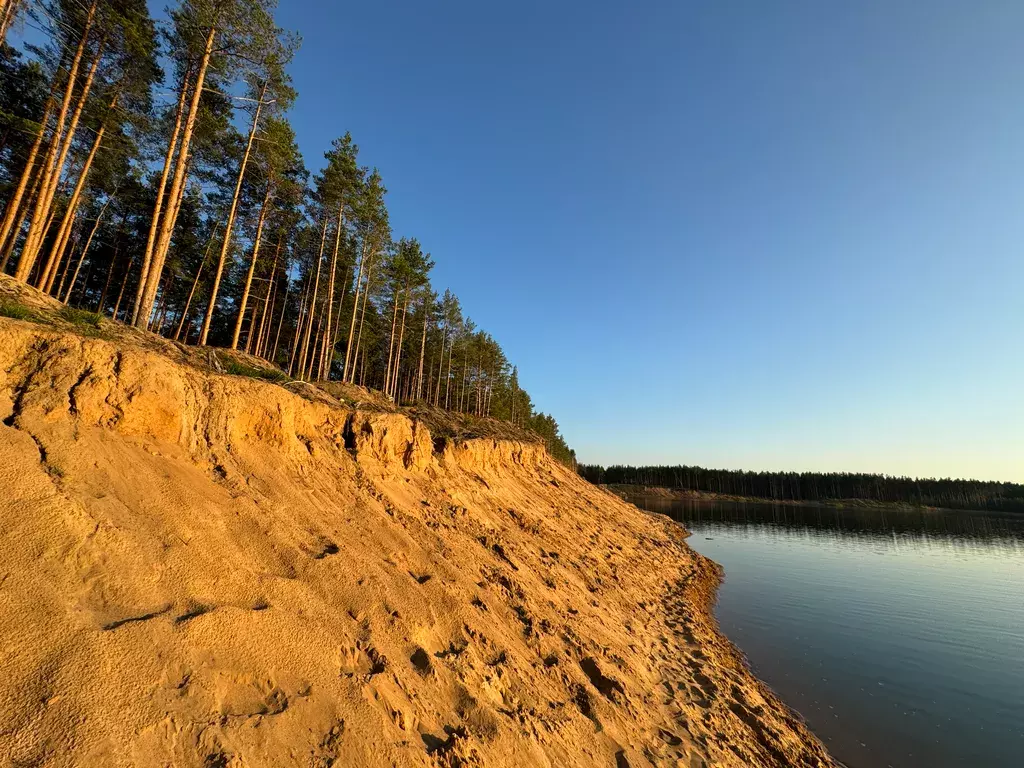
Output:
(204, 570)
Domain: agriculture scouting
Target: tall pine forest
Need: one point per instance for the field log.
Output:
(149, 173)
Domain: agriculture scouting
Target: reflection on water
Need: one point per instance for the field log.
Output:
(899, 635)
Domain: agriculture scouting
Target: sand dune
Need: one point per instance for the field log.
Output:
(208, 570)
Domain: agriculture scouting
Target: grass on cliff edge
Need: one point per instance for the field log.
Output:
(18, 311)
(236, 368)
(85, 322)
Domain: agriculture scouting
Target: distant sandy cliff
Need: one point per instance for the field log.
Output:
(208, 570)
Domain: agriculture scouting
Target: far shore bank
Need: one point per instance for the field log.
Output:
(682, 494)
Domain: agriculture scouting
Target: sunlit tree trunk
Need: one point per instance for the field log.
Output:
(106, 285)
(67, 264)
(423, 346)
(8, 10)
(124, 284)
(51, 166)
(154, 223)
(362, 315)
(45, 208)
(195, 284)
(280, 322)
(248, 277)
(152, 279)
(311, 308)
(13, 239)
(58, 249)
(268, 305)
(64, 233)
(327, 351)
(440, 365)
(11, 213)
(337, 321)
(401, 338)
(85, 250)
(299, 321)
(229, 227)
(464, 395)
(352, 325)
(448, 378)
(391, 343)
(255, 341)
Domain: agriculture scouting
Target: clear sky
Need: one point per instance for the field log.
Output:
(720, 232)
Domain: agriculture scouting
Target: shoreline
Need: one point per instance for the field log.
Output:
(702, 593)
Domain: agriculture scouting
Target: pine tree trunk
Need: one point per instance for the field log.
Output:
(337, 322)
(391, 345)
(195, 284)
(252, 264)
(280, 322)
(37, 269)
(440, 367)
(299, 324)
(172, 206)
(85, 250)
(162, 307)
(423, 347)
(58, 249)
(227, 236)
(315, 317)
(154, 223)
(23, 214)
(8, 10)
(362, 315)
(50, 163)
(156, 266)
(268, 305)
(401, 338)
(124, 284)
(60, 241)
(259, 331)
(307, 374)
(7, 228)
(67, 264)
(352, 325)
(106, 285)
(259, 308)
(326, 354)
(430, 388)
(448, 378)
(36, 236)
(64, 233)
(311, 309)
(479, 388)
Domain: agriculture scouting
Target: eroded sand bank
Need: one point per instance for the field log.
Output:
(205, 570)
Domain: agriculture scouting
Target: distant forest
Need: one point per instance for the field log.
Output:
(816, 486)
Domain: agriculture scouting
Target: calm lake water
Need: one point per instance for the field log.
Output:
(899, 636)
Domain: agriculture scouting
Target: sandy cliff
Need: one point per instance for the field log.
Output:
(209, 570)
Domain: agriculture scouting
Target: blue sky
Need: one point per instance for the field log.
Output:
(728, 233)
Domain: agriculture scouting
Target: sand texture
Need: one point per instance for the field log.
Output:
(207, 570)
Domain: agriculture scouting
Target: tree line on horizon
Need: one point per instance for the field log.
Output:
(149, 172)
(817, 486)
